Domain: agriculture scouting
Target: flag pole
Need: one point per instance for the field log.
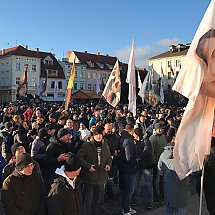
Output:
(201, 190)
(26, 71)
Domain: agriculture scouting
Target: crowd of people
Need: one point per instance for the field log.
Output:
(58, 162)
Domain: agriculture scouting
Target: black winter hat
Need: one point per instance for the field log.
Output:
(157, 125)
(50, 126)
(23, 160)
(73, 163)
(42, 133)
(139, 132)
(15, 146)
(62, 132)
(98, 130)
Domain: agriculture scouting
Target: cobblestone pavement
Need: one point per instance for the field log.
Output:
(113, 207)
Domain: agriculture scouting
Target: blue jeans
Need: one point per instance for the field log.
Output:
(128, 183)
(175, 211)
(147, 174)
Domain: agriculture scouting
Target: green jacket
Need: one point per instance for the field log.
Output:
(23, 195)
(88, 154)
(158, 143)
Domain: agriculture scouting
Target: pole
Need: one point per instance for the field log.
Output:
(201, 190)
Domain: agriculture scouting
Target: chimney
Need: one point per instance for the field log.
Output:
(36, 50)
(85, 52)
(3, 52)
(107, 55)
(26, 47)
(97, 53)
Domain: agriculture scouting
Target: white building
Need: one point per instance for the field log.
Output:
(90, 67)
(171, 62)
(41, 65)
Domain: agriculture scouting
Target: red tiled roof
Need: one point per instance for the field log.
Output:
(95, 58)
(85, 94)
(21, 51)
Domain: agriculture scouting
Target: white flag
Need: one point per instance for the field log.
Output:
(161, 92)
(55, 90)
(112, 90)
(131, 80)
(97, 86)
(196, 81)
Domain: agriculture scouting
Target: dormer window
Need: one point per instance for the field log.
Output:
(48, 61)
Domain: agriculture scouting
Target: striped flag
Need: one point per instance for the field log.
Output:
(22, 87)
(195, 81)
(68, 96)
(131, 80)
(112, 90)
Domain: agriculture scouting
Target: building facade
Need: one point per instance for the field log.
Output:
(42, 66)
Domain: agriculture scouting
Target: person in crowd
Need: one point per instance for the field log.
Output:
(113, 143)
(145, 158)
(96, 163)
(22, 136)
(127, 168)
(16, 149)
(158, 141)
(17, 120)
(176, 191)
(7, 140)
(65, 196)
(38, 148)
(57, 152)
(23, 191)
(84, 132)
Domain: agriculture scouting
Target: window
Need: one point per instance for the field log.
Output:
(60, 86)
(178, 63)
(52, 84)
(169, 75)
(17, 66)
(104, 76)
(94, 75)
(89, 86)
(92, 64)
(34, 82)
(34, 68)
(75, 86)
(81, 86)
(99, 76)
(50, 62)
(52, 73)
(169, 63)
(88, 75)
(17, 81)
(94, 86)
(81, 74)
(76, 74)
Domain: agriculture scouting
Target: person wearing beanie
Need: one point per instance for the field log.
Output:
(65, 194)
(158, 141)
(38, 148)
(145, 159)
(23, 191)
(96, 163)
(17, 149)
(57, 152)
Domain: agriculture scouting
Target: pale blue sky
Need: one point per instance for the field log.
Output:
(107, 26)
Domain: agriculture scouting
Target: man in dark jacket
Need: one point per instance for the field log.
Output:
(128, 167)
(7, 140)
(23, 191)
(96, 162)
(65, 196)
(57, 152)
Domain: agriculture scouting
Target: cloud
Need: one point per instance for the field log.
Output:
(142, 53)
(168, 41)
